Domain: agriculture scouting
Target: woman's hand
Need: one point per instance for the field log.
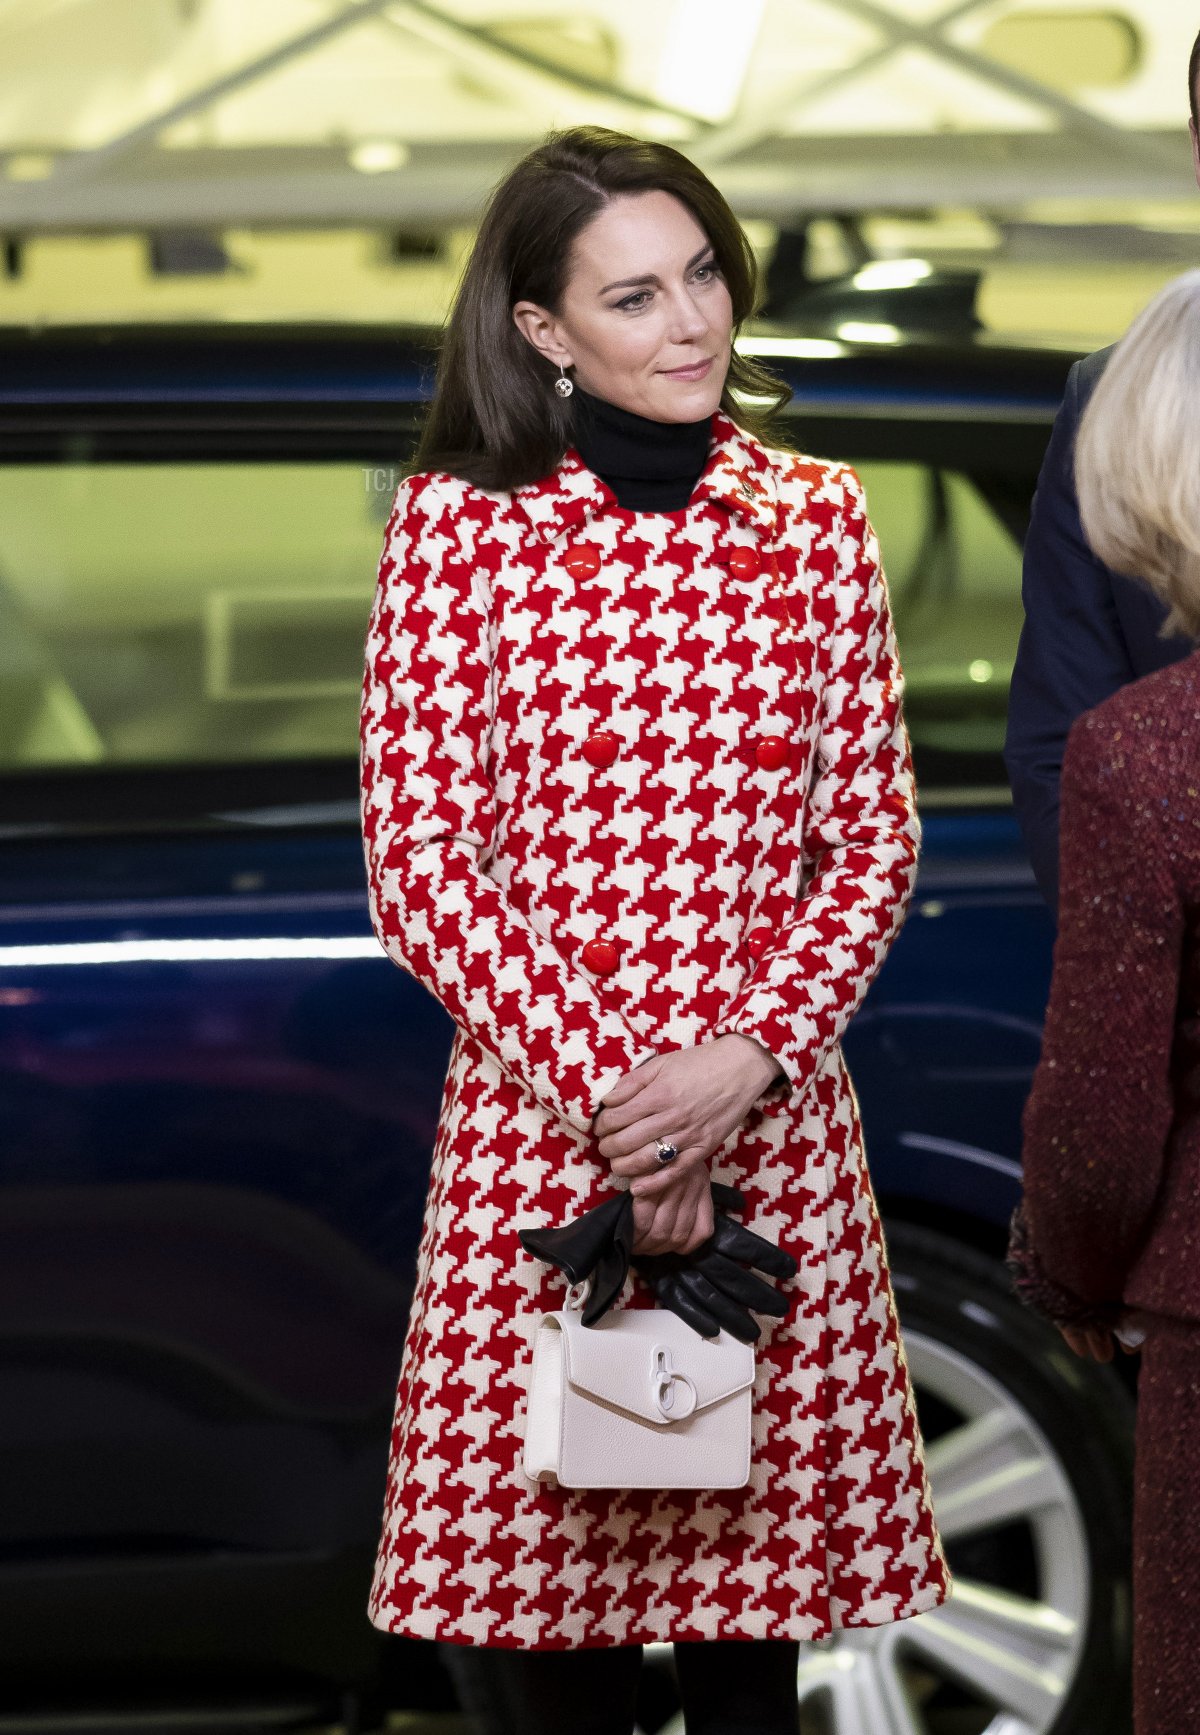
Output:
(695, 1098)
(675, 1215)
(1095, 1341)
(1089, 1341)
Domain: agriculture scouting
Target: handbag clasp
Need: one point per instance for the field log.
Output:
(674, 1392)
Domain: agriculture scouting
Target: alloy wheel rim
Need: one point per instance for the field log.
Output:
(995, 1467)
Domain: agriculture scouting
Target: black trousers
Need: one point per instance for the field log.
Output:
(728, 1687)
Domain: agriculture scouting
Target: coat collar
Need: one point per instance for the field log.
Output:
(739, 475)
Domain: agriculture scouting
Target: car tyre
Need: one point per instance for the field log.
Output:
(1029, 1450)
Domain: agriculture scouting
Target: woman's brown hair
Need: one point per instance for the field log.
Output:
(495, 419)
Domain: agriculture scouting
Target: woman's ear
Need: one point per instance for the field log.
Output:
(541, 330)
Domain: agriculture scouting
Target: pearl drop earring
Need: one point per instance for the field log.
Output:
(562, 385)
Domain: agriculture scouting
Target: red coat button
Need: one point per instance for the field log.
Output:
(600, 956)
(582, 560)
(772, 752)
(743, 562)
(601, 747)
(757, 941)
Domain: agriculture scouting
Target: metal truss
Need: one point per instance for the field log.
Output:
(126, 184)
(448, 30)
(742, 134)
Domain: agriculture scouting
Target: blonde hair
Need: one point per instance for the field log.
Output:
(1137, 456)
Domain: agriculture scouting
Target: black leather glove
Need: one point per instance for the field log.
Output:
(712, 1287)
(598, 1245)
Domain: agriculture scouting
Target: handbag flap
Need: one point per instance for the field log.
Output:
(649, 1362)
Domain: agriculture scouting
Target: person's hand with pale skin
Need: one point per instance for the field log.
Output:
(1098, 1342)
(695, 1098)
(1092, 1342)
(645, 321)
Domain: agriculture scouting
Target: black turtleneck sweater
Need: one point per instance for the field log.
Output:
(650, 466)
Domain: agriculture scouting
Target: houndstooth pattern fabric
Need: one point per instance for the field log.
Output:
(737, 892)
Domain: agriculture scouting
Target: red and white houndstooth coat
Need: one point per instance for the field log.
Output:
(630, 780)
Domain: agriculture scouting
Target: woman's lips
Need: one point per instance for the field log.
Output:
(696, 371)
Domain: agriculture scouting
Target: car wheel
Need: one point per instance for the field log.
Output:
(1029, 1451)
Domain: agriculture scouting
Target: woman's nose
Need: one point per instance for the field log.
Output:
(687, 321)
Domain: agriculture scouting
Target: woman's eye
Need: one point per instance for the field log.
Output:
(642, 298)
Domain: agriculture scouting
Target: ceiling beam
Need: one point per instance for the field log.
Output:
(277, 188)
(86, 165)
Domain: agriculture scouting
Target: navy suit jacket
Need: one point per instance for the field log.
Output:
(1087, 632)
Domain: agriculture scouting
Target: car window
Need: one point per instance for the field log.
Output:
(206, 613)
(951, 551)
(184, 613)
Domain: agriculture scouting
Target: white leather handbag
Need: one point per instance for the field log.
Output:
(638, 1400)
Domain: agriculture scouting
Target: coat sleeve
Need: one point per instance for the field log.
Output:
(1072, 653)
(861, 833)
(1099, 1114)
(429, 820)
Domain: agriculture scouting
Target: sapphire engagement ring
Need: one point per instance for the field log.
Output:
(666, 1152)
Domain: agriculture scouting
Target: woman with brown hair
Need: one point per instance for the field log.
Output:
(638, 809)
(1104, 1242)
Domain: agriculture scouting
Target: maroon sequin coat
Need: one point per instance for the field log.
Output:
(1112, 1125)
(631, 780)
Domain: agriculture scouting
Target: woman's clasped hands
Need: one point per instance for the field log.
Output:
(693, 1098)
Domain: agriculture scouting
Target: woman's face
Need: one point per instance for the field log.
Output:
(645, 318)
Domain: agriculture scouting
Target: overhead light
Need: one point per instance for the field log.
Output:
(184, 951)
(706, 55)
(379, 156)
(868, 331)
(29, 166)
(792, 348)
(892, 274)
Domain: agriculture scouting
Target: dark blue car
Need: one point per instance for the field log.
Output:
(218, 1098)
